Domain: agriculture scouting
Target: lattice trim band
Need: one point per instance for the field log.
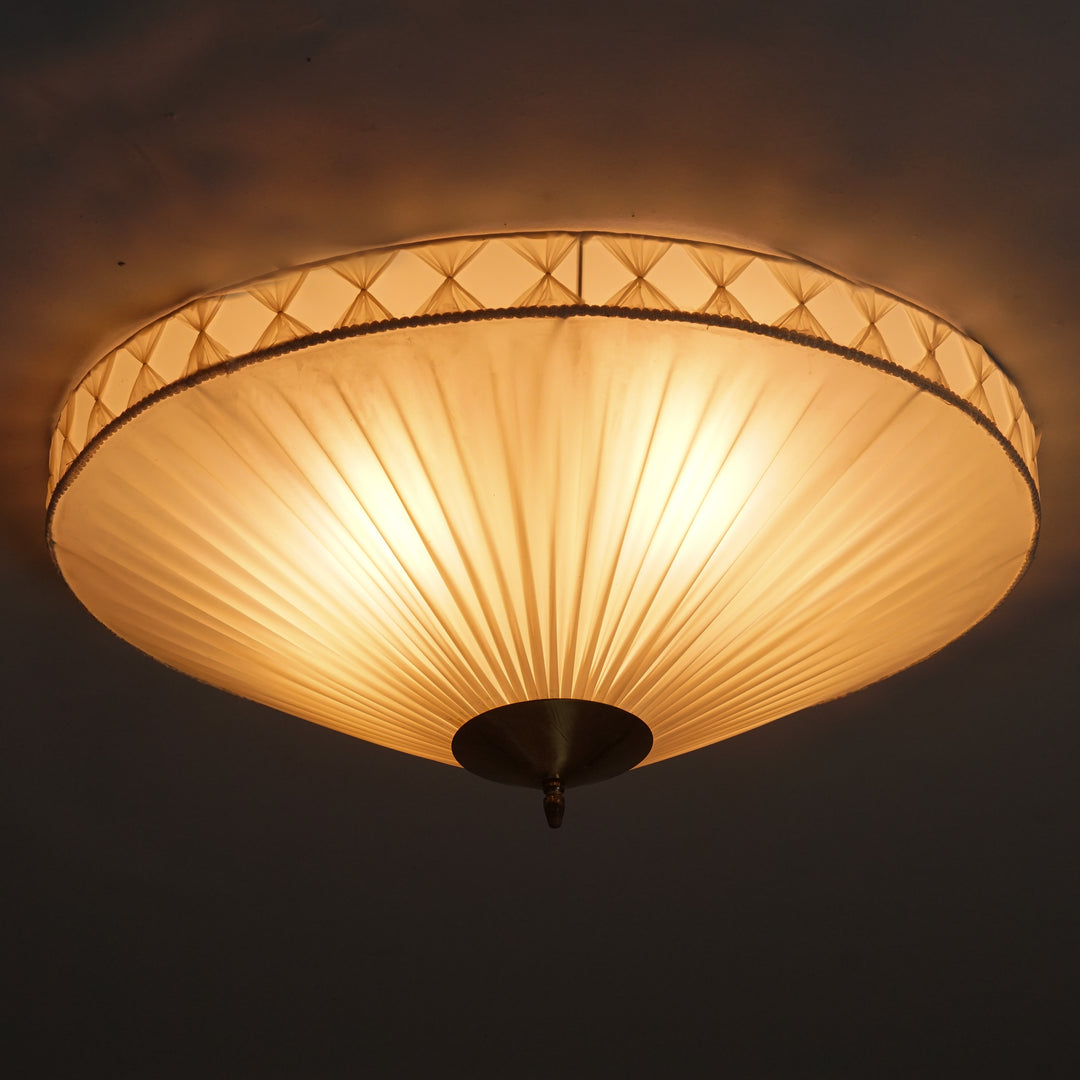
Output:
(537, 270)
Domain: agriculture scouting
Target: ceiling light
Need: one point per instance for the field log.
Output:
(549, 505)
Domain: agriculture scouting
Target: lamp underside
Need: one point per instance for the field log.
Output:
(400, 524)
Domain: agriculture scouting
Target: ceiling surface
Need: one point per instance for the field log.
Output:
(885, 885)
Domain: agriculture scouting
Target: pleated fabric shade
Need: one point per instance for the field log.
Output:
(394, 491)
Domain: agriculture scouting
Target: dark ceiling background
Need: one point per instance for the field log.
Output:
(196, 886)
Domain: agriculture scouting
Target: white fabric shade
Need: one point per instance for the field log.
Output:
(392, 531)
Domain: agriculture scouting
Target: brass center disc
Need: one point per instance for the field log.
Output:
(529, 742)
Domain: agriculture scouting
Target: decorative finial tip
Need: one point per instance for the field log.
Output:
(554, 801)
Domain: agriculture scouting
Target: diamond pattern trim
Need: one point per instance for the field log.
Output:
(566, 269)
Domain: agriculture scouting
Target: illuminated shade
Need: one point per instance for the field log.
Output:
(668, 490)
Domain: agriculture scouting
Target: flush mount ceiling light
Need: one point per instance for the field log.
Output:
(548, 505)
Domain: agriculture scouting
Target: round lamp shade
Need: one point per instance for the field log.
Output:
(395, 491)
